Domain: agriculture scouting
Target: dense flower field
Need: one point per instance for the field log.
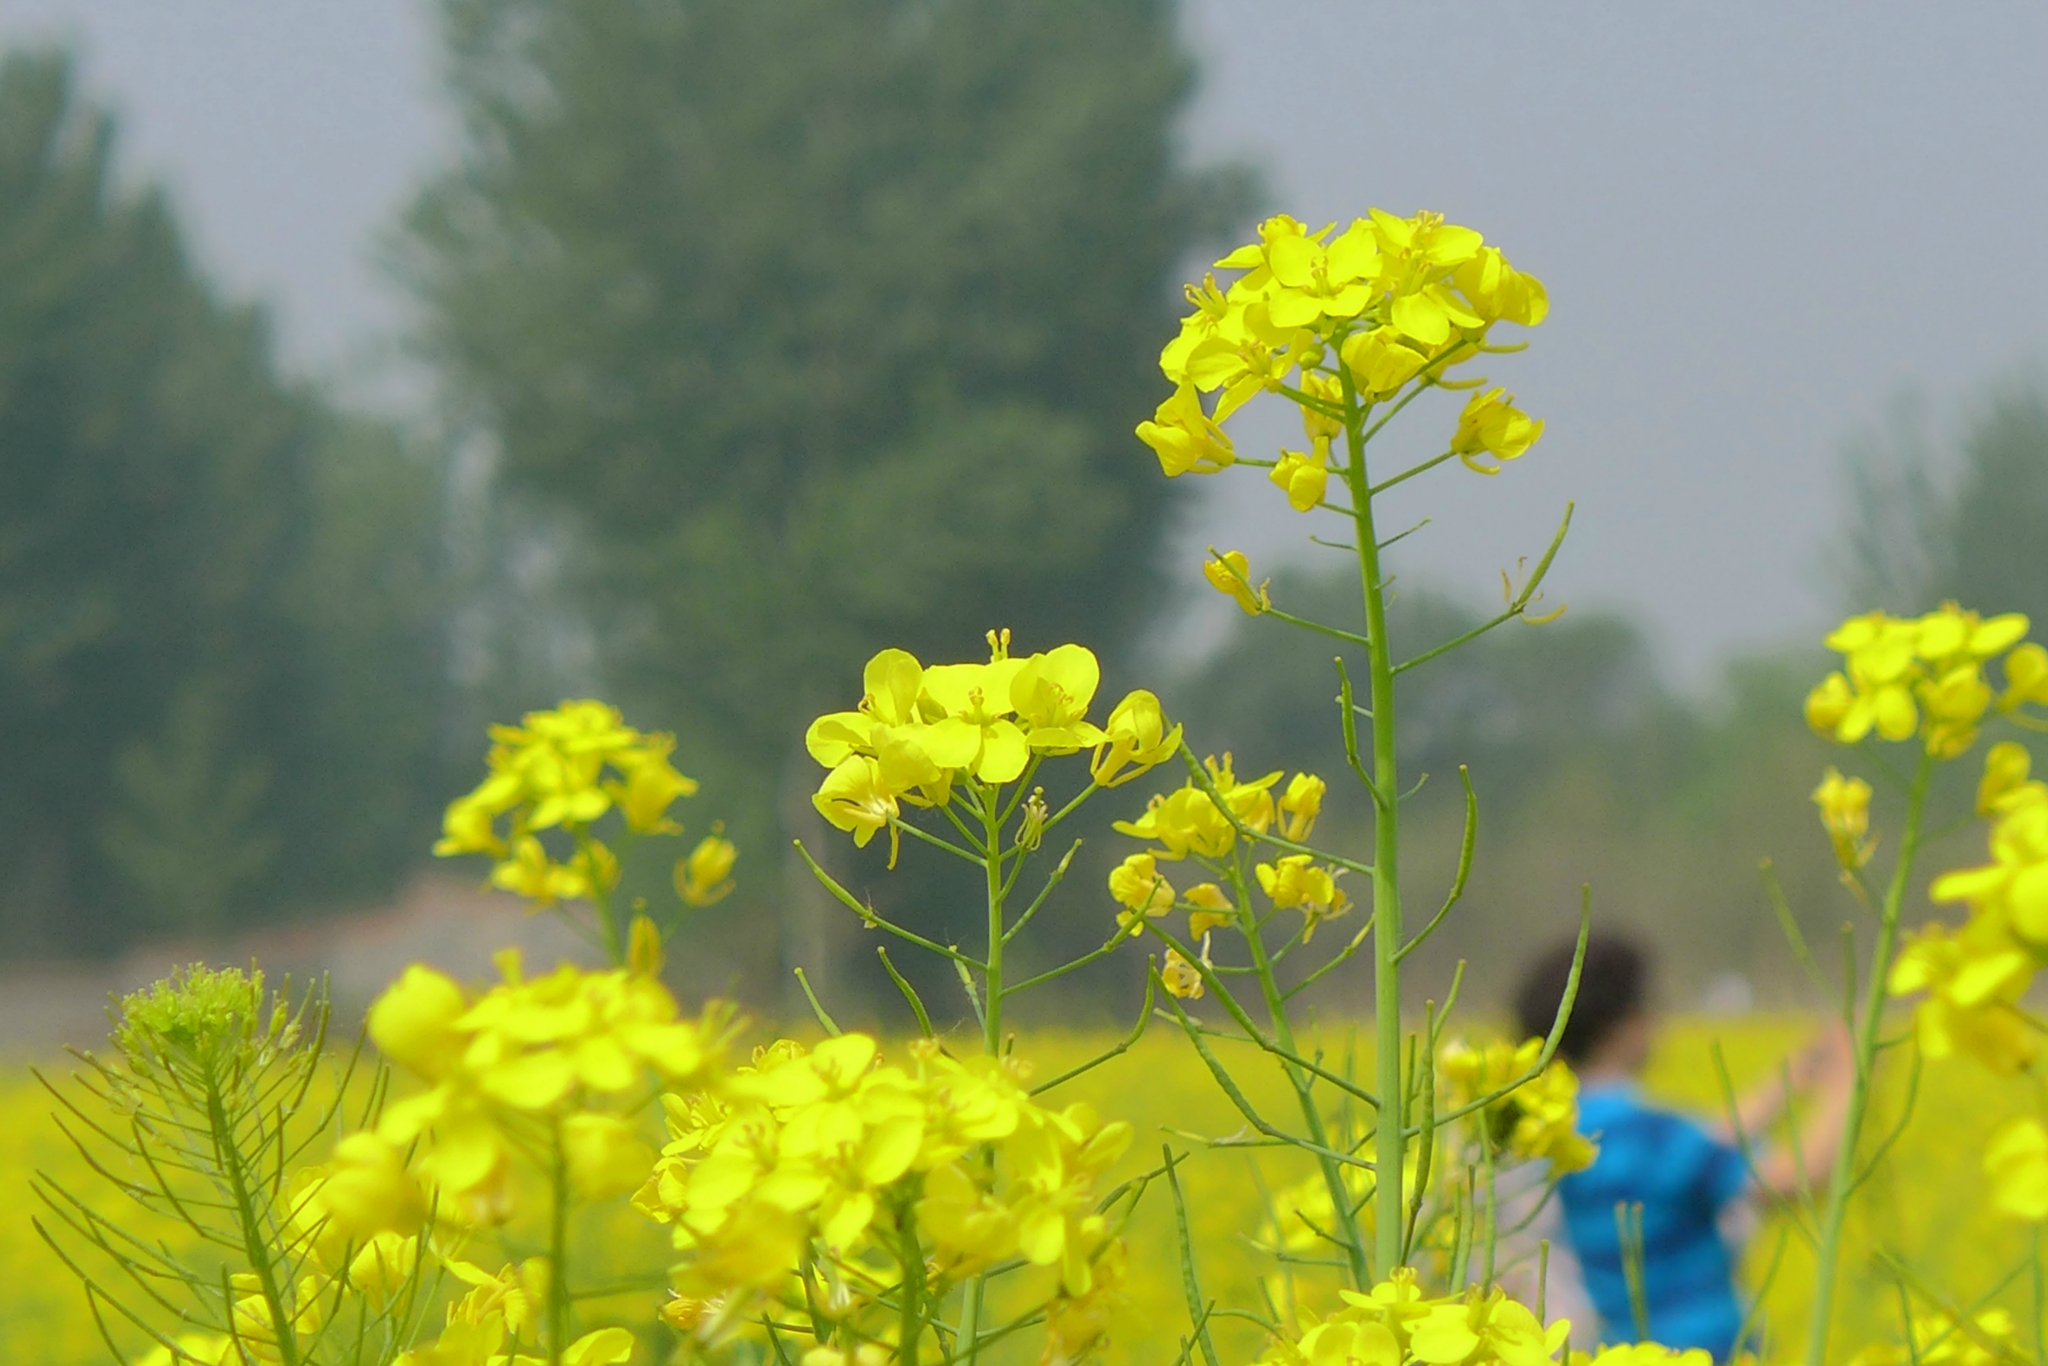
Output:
(1932, 1199)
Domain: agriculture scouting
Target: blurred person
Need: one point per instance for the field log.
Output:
(1697, 1192)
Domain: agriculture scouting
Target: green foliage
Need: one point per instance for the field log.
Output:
(1957, 516)
(216, 1093)
(825, 322)
(186, 831)
(214, 601)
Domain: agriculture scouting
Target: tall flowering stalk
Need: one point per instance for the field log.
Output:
(1923, 681)
(1351, 326)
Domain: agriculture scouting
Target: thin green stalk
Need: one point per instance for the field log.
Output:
(558, 1253)
(255, 1238)
(1628, 1221)
(968, 1336)
(600, 901)
(1389, 1199)
(992, 982)
(1843, 1180)
(1492, 1210)
(910, 1257)
(2040, 1304)
(1304, 1090)
(1190, 1286)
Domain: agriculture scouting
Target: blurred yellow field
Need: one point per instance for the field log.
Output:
(1929, 1199)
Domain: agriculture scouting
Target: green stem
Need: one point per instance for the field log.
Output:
(968, 1338)
(1843, 1180)
(255, 1237)
(992, 982)
(558, 1254)
(1304, 1090)
(910, 1259)
(600, 901)
(1388, 1198)
(1492, 1210)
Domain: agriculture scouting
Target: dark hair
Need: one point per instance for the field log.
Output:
(1613, 985)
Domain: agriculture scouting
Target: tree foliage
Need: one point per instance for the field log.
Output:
(826, 324)
(1958, 515)
(202, 630)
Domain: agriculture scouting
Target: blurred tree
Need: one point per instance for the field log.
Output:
(828, 321)
(203, 644)
(1966, 523)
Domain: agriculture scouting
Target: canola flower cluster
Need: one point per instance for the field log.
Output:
(529, 1067)
(1940, 1337)
(1340, 322)
(523, 1070)
(1395, 299)
(1974, 976)
(920, 729)
(1189, 823)
(1396, 1322)
(487, 1326)
(1537, 1120)
(564, 770)
(891, 1182)
(1925, 675)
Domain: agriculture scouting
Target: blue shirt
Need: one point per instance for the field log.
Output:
(1683, 1178)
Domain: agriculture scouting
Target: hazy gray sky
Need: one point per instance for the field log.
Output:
(1757, 221)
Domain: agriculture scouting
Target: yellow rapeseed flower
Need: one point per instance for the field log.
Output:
(1230, 573)
(1908, 676)
(1180, 977)
(2016, 1160)
(2013, 887)
(1492, 426)
(1303, 476)
(2005, 783)
(1137, 885)
(1210, 908)
(1136, 739)
(1300, 805)
(1538, 1120)
(1296, 882)
(1051, 695)
(704, 876)
(1972, 977)
(1186, 439)
(563, 769)
(1380, 362)
(1845, 814)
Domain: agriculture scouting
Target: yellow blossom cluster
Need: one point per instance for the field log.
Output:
(490, 1323)
(1396, 1323)
(918, 729)
(1941, 1338)
(531, 1061)
(831, 1156)
(1925, 675)
(1844, 805)
(1382, 303)
(1975, 974)
(1188, 823)
(563, 770)
(1538, 1120)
